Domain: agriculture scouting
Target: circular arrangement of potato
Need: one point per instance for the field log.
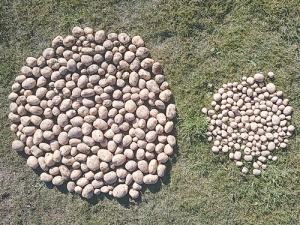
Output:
(249, 122)
(93, 112)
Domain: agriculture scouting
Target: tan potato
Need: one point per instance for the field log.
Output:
(93, 163)
(88, 191)
(120, 191)
(168, 149)
(118, 159)
(68, 160)
(49, 159)
(83, 148)
(105, 155)
(58, 180)
(64, 171)
(133, 193)
(75, 174)
(152, 166)
(71, 186)
(169, 127)
(17, 145)
(97, 184)
(131, 166)
(161, 170)
(110, 177)
(138, 177)
(162, 157)
(142, 52)
(42, 163)
(32, 162)
(45, 177)
(82, 182)
(150, 179)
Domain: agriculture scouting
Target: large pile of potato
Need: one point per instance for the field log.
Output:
(249, 122)
(93, 112)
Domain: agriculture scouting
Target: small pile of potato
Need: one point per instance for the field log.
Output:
(93, 112)
(249, 122)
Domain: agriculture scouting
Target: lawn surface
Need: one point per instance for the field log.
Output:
(201, 45)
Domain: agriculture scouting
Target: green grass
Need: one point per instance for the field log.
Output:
(201, 45)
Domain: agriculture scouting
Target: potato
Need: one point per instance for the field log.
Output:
(82, 182)
(65, 104)
(100, 36)
(14, 117)
(150, 179)
(98, 136)
(104, 167)
(89, 175)
(120, 191)
(75, 174)
(32, 162)
(29, 83)
(93, 163)
(105, 155)
(57, 180)
(45, 177)
(131, 166)
(63, 138)
(64, 171)
(162, 157)
(156, 68)
(137, 186)
(143, 166)
(17, 145)
(49, 159)
(78, 190)
(168, 149)
(68, 160)
(152, 166)
(127, 140)
(118, 159)
(152, 86)
(83, 148)
(43, 164)
(138, 177)
(165, 95)
(97, 184)
(65, 150)
(130, 106)
(29, 130)
(150, 155)
(33, 100)
(142, 112)
(104, 189)
(110, 177)
(54, 171)
(36, 110)
(169, 127)
(151, 136)
(161, 170)
(142, 52)
(75, 132)
(137, 41)
(133, 193)
(71, 186)
(88, 191)
(46, 124)
(36, 151)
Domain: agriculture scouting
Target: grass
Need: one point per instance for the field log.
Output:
(201, 45)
